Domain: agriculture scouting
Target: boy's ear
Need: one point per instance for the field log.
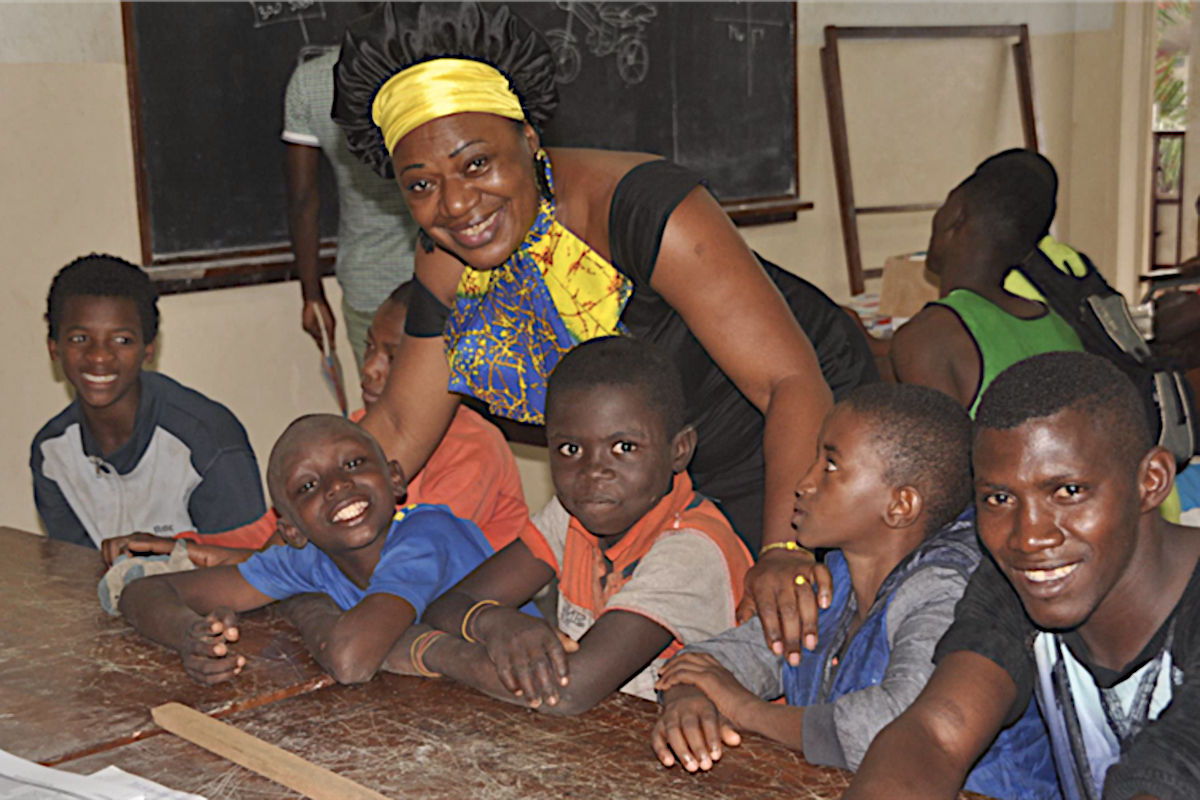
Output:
(904, 508)
(682, 448)
(1156, 478)
(290, 533)
(399, 482)
(52, 346)
(151, 347)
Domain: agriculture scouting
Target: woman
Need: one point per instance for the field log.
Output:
(527, 253)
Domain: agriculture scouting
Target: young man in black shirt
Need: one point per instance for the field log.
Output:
(1092, 602)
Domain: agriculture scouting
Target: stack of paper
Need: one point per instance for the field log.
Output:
(25, 780)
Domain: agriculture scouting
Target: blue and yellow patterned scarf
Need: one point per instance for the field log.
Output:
(510, 325)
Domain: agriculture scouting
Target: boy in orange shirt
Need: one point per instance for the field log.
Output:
(644, 563)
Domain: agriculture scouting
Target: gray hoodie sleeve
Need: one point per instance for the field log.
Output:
(744, 652)
(837, 734)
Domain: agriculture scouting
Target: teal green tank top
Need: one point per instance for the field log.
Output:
(1002, 339)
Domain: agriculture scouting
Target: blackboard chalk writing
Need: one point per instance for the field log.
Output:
(616, 29)
(748, 31)
(290, 11)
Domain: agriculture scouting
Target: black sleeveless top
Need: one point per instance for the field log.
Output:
(728, 465)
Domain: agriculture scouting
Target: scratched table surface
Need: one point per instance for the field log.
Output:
(73, 679)
(76, 688)
(408, 737)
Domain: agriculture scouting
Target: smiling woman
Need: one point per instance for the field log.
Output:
(529, 252)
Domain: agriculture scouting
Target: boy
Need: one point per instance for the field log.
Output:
(989, 223)
(336, 496)
(892, 472)
(134, 450)
(644, 563)
(472, 471)
(1093, 606)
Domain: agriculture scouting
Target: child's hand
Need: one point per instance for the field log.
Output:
(205, 649)
(706, 674)
(529, 655)
(692, 727)
(211, 555)
(134, 544)
(788, 609)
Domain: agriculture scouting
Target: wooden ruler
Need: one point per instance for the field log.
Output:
(254, 754)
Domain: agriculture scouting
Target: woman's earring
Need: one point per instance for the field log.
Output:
(425, 240)
(545, 177)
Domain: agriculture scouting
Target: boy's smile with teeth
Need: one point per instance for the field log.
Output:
(1047, 575)
(1058, 512)
(338, 493)
(101, 351)
(351, 511)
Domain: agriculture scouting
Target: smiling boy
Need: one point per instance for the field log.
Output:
(645, 564)
(134, 450)
(892, 474)
(377, 567)
(1093, 608)
(472, 471)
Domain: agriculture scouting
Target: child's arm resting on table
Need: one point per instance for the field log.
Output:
(194, 613)
(718, 687)
(519, 659)
(929, 749)
(616, 648)
(350, 645)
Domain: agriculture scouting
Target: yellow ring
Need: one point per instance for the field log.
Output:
(800, 580)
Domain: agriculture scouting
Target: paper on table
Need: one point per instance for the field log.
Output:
(150, 789)
(25, 780)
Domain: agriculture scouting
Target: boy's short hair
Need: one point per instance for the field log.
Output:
(1014, 191)
(924, 440)
(301, 430)
(101, 275)
(623, 361)
(1052, 382)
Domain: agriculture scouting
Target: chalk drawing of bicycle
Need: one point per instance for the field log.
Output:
(610, 29)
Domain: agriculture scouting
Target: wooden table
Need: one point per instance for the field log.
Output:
(73, 679)
(407, 737)
(76, 687)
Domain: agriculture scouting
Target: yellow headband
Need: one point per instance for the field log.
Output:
(438, 88)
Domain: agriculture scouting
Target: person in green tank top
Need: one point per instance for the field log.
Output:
(989, 222)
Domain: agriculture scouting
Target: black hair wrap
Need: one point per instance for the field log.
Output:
(398, 35)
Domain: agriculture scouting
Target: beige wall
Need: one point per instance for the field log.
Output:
(921, 114)
(66, 187)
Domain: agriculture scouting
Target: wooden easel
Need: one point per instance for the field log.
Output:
(835, 103)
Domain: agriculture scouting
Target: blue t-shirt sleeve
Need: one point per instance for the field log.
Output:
(426, 554)
(281, 571)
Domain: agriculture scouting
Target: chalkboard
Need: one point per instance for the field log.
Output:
(711, 85)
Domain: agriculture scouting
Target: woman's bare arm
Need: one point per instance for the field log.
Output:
(415, 410)
(710, 276)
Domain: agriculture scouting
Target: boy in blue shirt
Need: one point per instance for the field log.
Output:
(134, 451)
(375, 568)
(892, 473)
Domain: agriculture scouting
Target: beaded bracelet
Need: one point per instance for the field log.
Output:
(416, 653)
(788, 545)
(466, 635)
